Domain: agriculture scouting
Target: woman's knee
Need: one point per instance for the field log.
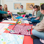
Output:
(31, 20)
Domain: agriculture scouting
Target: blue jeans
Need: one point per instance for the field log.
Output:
(9, 16)
(5, 19)
(38, 34)
(27, 16)
(30, 14)
(29, 19)
(35, 21)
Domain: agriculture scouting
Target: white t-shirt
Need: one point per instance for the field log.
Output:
(34, 12)
(43, 17)
(21, 10)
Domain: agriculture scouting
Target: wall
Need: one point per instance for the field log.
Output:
(11, 5)
(0, 1)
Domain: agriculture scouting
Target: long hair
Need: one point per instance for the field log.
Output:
(5, 9)
(36, 6)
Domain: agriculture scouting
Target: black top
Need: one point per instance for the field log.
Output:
(1, 17)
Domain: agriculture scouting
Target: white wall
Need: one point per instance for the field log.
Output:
(11, 4)
(0, 1)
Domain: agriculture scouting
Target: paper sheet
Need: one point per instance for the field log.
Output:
(9, 21)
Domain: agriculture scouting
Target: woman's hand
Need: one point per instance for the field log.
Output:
(30, 17)
(37, 18)
(34, 16)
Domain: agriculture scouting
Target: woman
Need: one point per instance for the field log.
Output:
(6, 9)
(38, 31)
(31, 6)
(39, 16)
(36, 8)
(2, 13)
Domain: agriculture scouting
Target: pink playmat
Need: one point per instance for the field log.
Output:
(22, 29)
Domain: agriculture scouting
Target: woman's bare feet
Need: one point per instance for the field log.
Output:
(42, 41)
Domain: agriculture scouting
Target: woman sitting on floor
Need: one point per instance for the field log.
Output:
(31, 7)
(2, 13)
(36, 8)
(38, 31)
(39, 16)
(6, 9)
